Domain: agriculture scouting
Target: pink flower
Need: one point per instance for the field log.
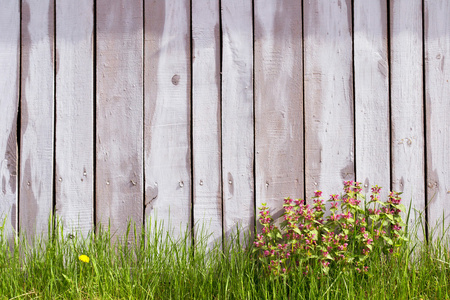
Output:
(325, 263)
(376, 189)
(318, 193)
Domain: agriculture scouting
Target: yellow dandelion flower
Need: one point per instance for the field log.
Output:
(84, 258)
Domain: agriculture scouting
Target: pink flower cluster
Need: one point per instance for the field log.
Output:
(347, 236)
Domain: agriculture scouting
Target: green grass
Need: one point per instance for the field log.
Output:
(154, 266)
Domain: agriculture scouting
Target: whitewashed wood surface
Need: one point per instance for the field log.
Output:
(167, 114)
(206, 117)
(9, 85)
(237, 115)
(116, 104)
(372, 139)
(278, 102)
(119, 118)
(37, 116)
(437, 76)
(407, 106)
(329, 132)
(74, 142)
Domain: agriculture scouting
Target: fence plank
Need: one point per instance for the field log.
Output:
(119, 173)
(437, 51)
(407, 106)
(9, 85)
(167, 113)
(372, 153)
(207, 180)
(278, 102)
(37, 111)
(74, 114)
(329, 157)
(237, 115)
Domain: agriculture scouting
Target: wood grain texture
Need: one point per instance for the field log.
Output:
(119, 139)
(237, 115)
(329, 138)
(9, 85)
(278, 102)
(167, 113)
(372, 155)
(437, 75)
(74, 144)
(206, 137)
(37, 121)
(407, 106)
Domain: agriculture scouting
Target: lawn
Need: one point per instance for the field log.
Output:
(155, 266)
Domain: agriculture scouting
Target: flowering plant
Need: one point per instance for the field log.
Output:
(345, 236)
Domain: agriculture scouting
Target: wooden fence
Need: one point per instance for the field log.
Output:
(199, 111)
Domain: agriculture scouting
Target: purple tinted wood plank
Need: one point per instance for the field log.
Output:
(328, 81)
(407, 106)
(9, 85)
(119, 183)
(278, 102)
(37, 111)
(74, 114)
(237, 115)
(167, 114)
(207, 180)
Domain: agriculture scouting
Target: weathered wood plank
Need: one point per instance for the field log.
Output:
(437, 51)
(278, 102)
(167, 113)
(206, 143)
(9, 85)
(74, 144)
(37, 111)
(119, 137)
(237, 115)
(329, 157)
(372, 154)
(407, 106)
